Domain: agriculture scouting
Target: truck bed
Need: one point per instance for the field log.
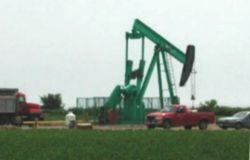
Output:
(7, 104)
(193, 118)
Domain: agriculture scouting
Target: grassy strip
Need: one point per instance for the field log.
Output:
(101, 145)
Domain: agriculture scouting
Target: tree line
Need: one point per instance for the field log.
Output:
(220, 110)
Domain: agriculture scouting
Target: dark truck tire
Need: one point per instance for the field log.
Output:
(150, 126)
(238, 126)
(223, 127)
(167, 124)
(16, 120)
(187, 127)
(203, 125)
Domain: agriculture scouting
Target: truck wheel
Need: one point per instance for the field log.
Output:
(187, 127)
(223, 127)
(150, 126)
(16, 120)
(238, 126)
(203, 125)
(167, 124)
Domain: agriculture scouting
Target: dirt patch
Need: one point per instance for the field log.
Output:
(120, 127)
(143, 127)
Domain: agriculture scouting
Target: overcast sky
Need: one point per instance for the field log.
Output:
(77, 47)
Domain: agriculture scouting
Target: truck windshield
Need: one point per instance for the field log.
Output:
(240, 114)
(21, 99)
(168, 109)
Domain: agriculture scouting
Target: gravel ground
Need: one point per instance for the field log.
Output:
(143, 127)
(211, 127)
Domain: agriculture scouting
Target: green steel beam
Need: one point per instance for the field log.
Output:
(128, 70)
(128, 64)
(126, 51)
(141, 28)
(142, 48)
(141, 67)
(160, 82)
(149, 74)
(114, 99)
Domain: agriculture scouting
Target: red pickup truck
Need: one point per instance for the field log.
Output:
(179, 115)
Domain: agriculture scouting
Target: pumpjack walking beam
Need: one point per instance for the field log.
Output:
(187, 59)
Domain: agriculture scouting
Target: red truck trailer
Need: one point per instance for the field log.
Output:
(14, 108)
(179, 115)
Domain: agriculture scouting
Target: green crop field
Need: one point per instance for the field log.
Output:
(130, 145)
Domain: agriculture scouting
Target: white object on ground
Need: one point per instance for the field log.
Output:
(69, 118)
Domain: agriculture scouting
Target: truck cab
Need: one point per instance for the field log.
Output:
(28, 110)
(179, 115)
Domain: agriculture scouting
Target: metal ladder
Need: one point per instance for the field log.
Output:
(171, 72)
(166, 101)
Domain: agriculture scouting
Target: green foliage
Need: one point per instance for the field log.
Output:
(228, 111)
(208, 106)
(212, 106)
(81, 113)
(123, 145)
(86, 114)
(52, 101)
(77, 110)
(54, 114)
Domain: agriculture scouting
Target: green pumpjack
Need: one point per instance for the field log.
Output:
(127, 99)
